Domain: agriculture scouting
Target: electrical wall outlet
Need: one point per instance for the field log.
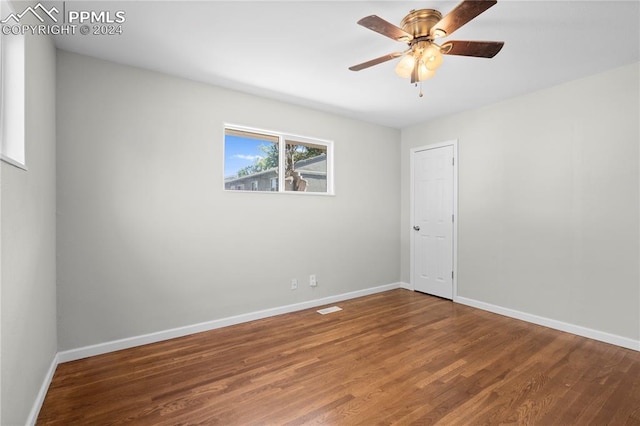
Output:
(312, 281)
(294, 284)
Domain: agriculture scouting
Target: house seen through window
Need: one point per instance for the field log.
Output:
(272, 162)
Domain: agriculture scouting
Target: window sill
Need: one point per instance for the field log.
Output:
(13, 162)
(303, 194)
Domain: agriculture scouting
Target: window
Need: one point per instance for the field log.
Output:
(12, 94)
(305, 167)
(276, 162)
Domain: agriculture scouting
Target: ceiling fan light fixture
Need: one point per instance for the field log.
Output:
(424, 72)
(432, 57)
(405, 66)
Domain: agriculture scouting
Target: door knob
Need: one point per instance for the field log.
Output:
(416, 228)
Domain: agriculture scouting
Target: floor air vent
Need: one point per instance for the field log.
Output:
(329, 310)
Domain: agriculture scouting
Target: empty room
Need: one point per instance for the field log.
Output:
(319, 212)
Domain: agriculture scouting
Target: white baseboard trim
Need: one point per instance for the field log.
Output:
(406, 286)
(130, 342)
(42, 393)
(601, 336)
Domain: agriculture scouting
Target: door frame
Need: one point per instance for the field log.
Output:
(412, 153)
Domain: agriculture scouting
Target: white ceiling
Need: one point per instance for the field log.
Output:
(300, 51)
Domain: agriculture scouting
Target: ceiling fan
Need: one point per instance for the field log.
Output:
(419, 29)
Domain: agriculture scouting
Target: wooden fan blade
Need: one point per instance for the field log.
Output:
(460, 15)
(478, 49)
(379, 25)
(376, 61)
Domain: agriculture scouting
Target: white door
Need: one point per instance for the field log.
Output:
(432, 233)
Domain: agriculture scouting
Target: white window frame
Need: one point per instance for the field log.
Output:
(12, 95)
(283, 139)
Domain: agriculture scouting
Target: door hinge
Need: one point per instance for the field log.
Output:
(452, 219)
(453, 161)
(451, 274)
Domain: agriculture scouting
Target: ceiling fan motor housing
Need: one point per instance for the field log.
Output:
(418, 23)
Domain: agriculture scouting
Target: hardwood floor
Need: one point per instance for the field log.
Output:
(397, 357)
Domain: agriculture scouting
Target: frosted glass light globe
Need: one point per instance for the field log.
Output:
(405, 66)
(432, 57)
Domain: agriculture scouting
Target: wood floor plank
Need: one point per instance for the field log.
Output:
(397, 357)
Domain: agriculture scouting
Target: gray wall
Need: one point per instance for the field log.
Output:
(148, 240)
(28, 313)
(548, 201)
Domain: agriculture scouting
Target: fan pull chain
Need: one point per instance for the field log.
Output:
(420, 94)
